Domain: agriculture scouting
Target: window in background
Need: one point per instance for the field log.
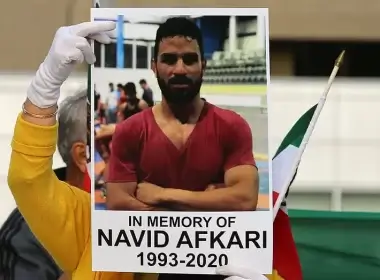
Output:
(141, 57)
(97, 52)
(362, 59)
(317, 59)
(128, 56)
(152, 49)
(110, 60)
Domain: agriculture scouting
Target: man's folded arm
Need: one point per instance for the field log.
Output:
(239, 194)
(121, 196)
(241, 178)
(122, 179)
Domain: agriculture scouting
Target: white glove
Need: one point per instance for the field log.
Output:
(70, 47)
(239, 273)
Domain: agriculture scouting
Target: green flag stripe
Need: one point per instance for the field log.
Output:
(297, 132)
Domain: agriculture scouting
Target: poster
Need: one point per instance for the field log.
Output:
(235, 78)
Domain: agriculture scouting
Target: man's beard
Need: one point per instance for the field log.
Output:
(180, 96)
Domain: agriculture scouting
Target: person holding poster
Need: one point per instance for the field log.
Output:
(58, 214)
(22, 256)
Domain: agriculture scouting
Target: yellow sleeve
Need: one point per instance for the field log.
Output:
(57, 213)
(274, 276)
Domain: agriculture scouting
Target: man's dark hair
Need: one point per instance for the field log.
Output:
(130, 89)
(178, 26)
(110, 84)
(119, 86)
(142, 82)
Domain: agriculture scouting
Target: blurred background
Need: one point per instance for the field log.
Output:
(334, 200)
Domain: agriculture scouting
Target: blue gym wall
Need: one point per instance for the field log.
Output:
(214, 32)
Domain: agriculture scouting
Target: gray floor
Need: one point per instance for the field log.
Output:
(258, 121)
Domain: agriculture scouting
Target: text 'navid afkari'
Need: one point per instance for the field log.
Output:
(213, 232)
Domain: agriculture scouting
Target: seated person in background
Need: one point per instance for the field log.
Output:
(147, 93)
(102, 114)
(97, 100)
(123, 96)
(133, 105)
(121, 104)
(103, 140)
(22, 256)
(110, 102)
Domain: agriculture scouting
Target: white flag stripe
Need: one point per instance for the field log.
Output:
(283, 164)
(284, 209)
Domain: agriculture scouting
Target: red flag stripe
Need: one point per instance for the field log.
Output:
(285, 257)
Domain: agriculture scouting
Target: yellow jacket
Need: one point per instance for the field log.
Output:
(58, 214)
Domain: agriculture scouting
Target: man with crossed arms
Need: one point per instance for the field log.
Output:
(169, 155)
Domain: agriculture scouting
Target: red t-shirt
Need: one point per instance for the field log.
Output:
(220, 140)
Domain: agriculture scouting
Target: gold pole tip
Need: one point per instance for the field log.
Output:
(339, 60)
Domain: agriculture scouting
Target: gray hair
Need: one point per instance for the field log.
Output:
(72, 119)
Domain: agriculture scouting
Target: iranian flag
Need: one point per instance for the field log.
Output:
(286, 263)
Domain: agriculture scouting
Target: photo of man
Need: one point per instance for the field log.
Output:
(223, 77)
(189, 147)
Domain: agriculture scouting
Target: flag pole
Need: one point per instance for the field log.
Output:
(95, 4)
(309, 131)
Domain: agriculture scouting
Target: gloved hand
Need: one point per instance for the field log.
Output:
(70, 47)
(239, 273)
